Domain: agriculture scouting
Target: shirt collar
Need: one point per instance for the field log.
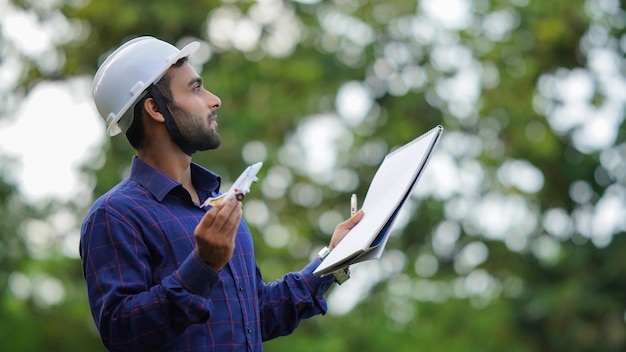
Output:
(160, 184)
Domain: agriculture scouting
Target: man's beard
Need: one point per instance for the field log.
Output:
(194, 130)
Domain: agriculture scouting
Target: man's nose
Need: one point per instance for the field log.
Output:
(214, 101)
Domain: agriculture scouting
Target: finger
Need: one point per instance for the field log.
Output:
(343, 228)
(209, 217)
(352, 221)
(216, 217)
(229, 218)
(357, 216)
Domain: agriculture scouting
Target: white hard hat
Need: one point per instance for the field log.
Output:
(124, 76)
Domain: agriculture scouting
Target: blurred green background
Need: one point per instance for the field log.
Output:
(513, 239)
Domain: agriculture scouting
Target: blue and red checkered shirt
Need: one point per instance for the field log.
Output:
(150, 291)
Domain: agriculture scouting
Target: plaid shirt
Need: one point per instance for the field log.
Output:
(149, 290)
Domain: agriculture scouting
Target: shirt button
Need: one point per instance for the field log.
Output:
(249, 330)
(240, 288)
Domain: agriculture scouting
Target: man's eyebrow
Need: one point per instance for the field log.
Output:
(197, 80)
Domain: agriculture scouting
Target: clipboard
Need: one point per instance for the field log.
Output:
(395, 179)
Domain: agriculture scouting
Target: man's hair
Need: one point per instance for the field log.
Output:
(136, 133)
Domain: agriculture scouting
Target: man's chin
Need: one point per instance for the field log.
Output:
(213, 144)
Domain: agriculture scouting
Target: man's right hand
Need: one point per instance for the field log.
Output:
(215, 234)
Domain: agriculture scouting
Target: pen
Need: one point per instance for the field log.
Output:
(353, 204)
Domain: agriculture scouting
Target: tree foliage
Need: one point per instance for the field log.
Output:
(512, 239)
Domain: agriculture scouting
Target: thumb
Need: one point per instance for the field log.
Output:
(353, 220)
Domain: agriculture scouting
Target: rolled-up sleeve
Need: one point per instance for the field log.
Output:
(297, 296)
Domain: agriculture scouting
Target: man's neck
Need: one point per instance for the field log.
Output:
(172, 162)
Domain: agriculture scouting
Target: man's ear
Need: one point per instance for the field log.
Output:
(151, 108)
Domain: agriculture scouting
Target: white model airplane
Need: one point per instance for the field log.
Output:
(239, 189)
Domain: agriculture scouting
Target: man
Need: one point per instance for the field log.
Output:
(162, 272)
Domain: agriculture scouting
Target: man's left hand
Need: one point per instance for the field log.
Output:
(343, 228)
